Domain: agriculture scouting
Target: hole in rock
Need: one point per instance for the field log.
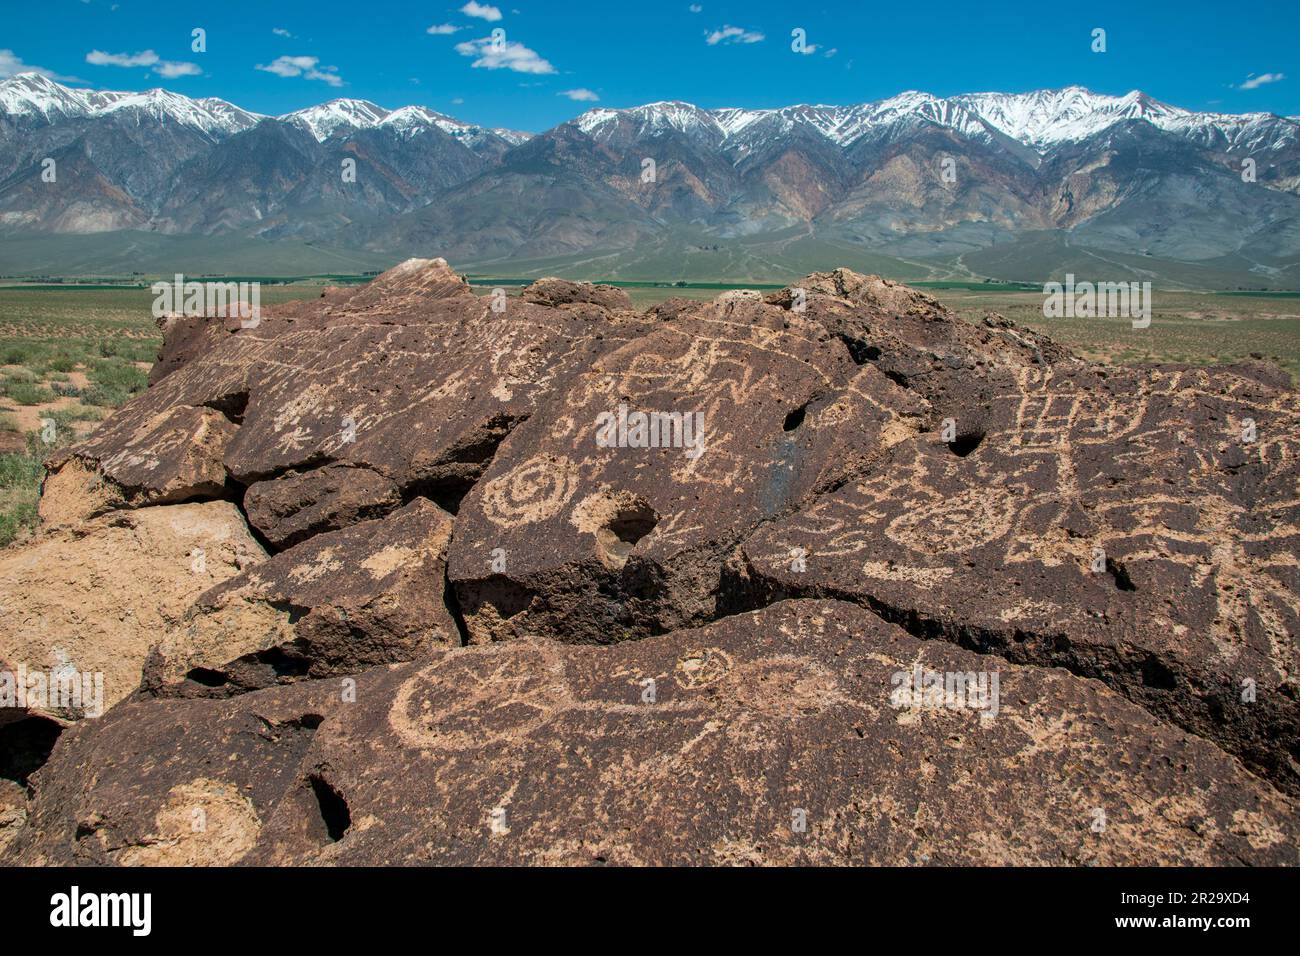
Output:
(446, 493)
(25, 746)
(334, 812)
(966, 442)
(860, 351)
(795, 418)
(232, 406)
(1156, 674)
(629, 524)
(207, 677)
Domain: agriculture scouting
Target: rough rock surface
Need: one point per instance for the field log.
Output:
(1114, 523)
(97, 598)
(339, 603)
(635, 537)
(769, 738)
(685, 629)
(412, 377)
(186, 337)
(561, 292)
(298, 504)
(171, 456)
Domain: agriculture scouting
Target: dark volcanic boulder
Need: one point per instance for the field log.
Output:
(561, 292)
(412, 379)
(341, 602)
(299, 504)
(1111, 522)
(826, 575)
(771, 738)
(610, 513)
(186, 337)
(170, 456)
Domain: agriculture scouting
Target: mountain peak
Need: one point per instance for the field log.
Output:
(35, 96)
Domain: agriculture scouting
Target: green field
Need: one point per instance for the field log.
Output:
(70, 354)
(1194, 327)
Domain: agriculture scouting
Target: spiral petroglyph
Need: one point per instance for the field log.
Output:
(433, 620)
(536, 490)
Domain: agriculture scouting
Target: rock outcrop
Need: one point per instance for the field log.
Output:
(95, 600)
(825, 575)
(764, 738)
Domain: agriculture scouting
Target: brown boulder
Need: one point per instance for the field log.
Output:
(297, 505)
(774, 507)
(1110, 522)
(585, 530)
(186, 338)
(97, 597)
(171, 456)
(338, 603)
(562, 292)
(912, 337)
(778, 737)
(413, 380)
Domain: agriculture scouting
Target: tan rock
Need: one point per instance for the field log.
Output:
(98, 596)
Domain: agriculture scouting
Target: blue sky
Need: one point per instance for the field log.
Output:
(558, 58)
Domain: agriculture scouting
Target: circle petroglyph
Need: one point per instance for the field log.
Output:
(702, 667)
(958, 523)
(480, 696)
(536, 490)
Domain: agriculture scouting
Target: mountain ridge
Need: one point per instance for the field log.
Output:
(1037, 117)
(914, 177)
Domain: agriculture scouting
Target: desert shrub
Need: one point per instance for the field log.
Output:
(20, 471)
(105, 396)
(25, 393)
(76, 413)
(16, 520)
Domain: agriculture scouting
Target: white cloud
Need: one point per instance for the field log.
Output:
(832, 51)
(282, 32)
(481, 10)
(304, 66)
(457, 101)
(169, 69)
(442, 29)
(580, 93)
(695, 8)
(1254, 82)
(11, 64)
(143, 58)
(730, 34)
(505, 55)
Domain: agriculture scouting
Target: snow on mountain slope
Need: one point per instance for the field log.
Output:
(321, 121)
(1039, 120)
(640, 121)
(31, 95)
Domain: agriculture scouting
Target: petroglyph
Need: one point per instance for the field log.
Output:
(536, 752)
(483, 636)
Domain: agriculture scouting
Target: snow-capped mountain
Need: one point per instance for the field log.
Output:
(1126, 174)
(322, 121)
(1040, 120)
(31, 96)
